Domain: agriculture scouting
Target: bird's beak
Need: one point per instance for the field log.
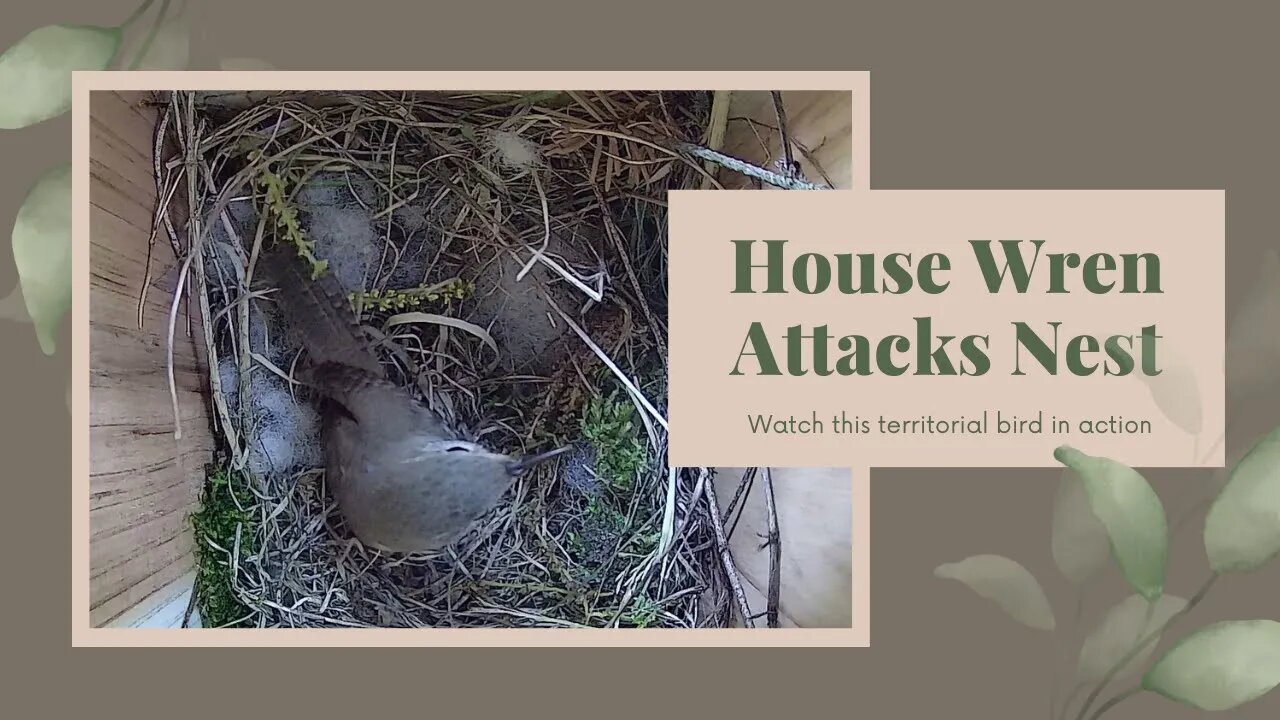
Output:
(520, 466)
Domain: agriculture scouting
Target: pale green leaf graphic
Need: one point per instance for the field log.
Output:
(1253, 340)
(1079, 540)
(170, 49)
(1176, 391)
(1006, 583)
(1220, 667)
(245, 64)
(1242, 528)
(42, 253)
(35, 73)
(1131, 512)
(1119, 633)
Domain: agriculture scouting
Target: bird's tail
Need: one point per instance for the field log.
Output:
(316, 311)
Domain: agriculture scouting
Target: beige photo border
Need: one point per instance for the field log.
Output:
(83, 634)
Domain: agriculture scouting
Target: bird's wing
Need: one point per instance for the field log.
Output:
(374, 401)
(346, 371)
(317, 312)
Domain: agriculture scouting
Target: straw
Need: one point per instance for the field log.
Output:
(478, 201)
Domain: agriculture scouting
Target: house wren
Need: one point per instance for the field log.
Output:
(402, 479)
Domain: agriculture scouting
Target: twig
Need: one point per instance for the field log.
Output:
(162, 129)
(805, 151)
(741, 492)
(719, 123)
(774, 542)
(193, 249)
(793, 170)
(615, 234)
(726, 557)
(192, 603)
(215, 377)
(746, 168)
(162, 211)
(173, 321)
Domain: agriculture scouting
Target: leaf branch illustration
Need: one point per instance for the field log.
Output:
(35, 86)
(1143, 646)
(1080, 550)
(166, 45)
(138, 13)
(1105, 510)
(151, 34)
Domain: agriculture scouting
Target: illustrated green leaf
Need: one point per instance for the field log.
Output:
(243, 64)
(1006, 583)
(1253, 345)
(1242, 528)
(35, 72)
(1079, 539)
(1120, 631)
(1221, 666)
(42, 253)
(1131, 512)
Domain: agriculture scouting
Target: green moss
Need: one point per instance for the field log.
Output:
(642, 613)
(609, 425)
(220, 514)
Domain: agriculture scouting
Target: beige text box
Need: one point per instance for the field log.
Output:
(1178, 414)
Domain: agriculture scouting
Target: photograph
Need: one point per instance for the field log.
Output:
(398, 359)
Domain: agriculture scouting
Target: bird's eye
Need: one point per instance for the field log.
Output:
(458, 448)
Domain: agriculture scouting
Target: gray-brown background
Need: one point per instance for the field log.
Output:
(1004, 95)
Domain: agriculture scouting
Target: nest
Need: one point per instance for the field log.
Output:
(508, 251)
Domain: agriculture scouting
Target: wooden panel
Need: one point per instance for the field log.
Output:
(143, 481)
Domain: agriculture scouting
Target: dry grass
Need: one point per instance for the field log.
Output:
(567, 188)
